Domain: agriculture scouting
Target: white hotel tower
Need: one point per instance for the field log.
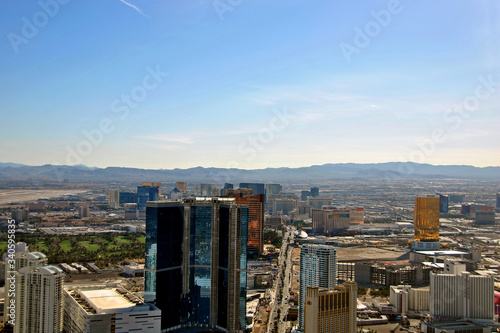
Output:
(462, 295)
(318, 268)
(38, 294)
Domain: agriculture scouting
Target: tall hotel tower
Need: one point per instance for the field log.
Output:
(318, 268)
(196, 263)
(426, 223)
(328, 310)
(38, 295)
(255, 205)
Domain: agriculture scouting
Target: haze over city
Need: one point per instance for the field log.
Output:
(249, 166)
(249, 84)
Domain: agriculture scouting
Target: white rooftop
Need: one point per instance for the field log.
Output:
(107, 301)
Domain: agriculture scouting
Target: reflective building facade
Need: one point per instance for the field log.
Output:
(255, 205)
(443, 204)
(427, 219)
(145, 194)
(318, 268)
(257, 188)
(196, 263)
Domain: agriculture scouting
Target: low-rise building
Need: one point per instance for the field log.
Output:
(99, 309)
(134, 269)
(455, 327)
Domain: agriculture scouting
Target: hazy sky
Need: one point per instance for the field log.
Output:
(250, 83)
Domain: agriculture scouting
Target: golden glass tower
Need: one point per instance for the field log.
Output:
(427, 219)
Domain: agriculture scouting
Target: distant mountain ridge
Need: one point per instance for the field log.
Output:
(390, 171)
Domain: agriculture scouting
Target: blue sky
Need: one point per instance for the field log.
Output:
(249, 84)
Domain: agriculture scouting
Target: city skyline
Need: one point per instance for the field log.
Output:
(249, 85)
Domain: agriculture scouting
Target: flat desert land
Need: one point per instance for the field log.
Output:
(371, 253)
(7, 196)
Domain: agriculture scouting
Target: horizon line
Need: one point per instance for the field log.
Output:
(264, 168)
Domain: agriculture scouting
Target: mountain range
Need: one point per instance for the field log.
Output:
(391, 171)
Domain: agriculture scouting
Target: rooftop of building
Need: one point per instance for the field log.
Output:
(102, 300)
(196, 200)
(456, 325)
(52, 269)
(443, 253)
(370, 253)
(44, 270)
(33, 255)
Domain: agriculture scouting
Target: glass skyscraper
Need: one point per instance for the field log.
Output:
(255, 204)
(257, 188)
(145, 194)
(427, 219)
(318, 268)
(196, 263)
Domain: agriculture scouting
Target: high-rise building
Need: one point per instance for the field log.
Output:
(314, 191)
(273, 189)
(228, 186)
(239, 192)
(127, 197)
(102, 309)
(304, 195)
(330, 219)
(207, 190)
(282, 206)
(22, 259)
(255, 205)
(131, 212)
(257, 188)
(328, 310)
(485, 218)
(318, 268)
(357, 215)
(38, 295)
(181, 186)
(443, 204)
(157, 185)
(404, 298)
(114, 199)
(29, 259)
(457, 198)
(318, 202)
(498, 201)
(198, 245)
(468, 209)
(20, 215)
(40, 299)
(18, 248)
(426, 223)
(83, 210)
(463, 295)
(145, 194)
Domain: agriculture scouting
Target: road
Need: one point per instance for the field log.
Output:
(279, 293)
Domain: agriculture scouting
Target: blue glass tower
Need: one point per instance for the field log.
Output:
(257, 188)
(443, 204)
(145, 194)
(164, 235)
(196, 263)
(127, 197)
